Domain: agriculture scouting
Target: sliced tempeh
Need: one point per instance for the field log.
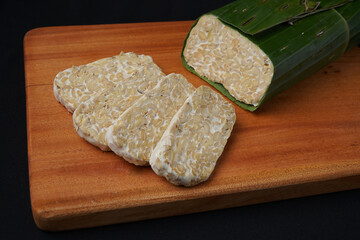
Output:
(79, 83)
(93, 117)
(138, 130)
(188, 151)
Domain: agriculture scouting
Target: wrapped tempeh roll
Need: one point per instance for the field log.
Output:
(250, 55)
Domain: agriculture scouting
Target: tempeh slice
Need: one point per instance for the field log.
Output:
(194, 140)
(138, 130)
(93, 117)
(79, 83)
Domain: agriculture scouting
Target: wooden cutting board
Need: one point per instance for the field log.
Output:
(305, 141)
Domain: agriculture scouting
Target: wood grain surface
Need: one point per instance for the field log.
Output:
(303, 142)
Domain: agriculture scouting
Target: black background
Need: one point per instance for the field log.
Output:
(329, 216)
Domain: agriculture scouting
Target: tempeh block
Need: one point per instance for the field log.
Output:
(222, 54)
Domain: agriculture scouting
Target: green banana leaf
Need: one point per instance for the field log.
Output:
(252, 17)
(323, 6)
(351, 13)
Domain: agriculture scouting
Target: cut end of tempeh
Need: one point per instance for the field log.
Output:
(77, 84)
(223, 55)
(194, 140)
(137, 131)
(94, 117)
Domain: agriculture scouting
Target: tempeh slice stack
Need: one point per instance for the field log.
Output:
(138, 130)
(93, 117)
(194, 140)
(77, 84)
